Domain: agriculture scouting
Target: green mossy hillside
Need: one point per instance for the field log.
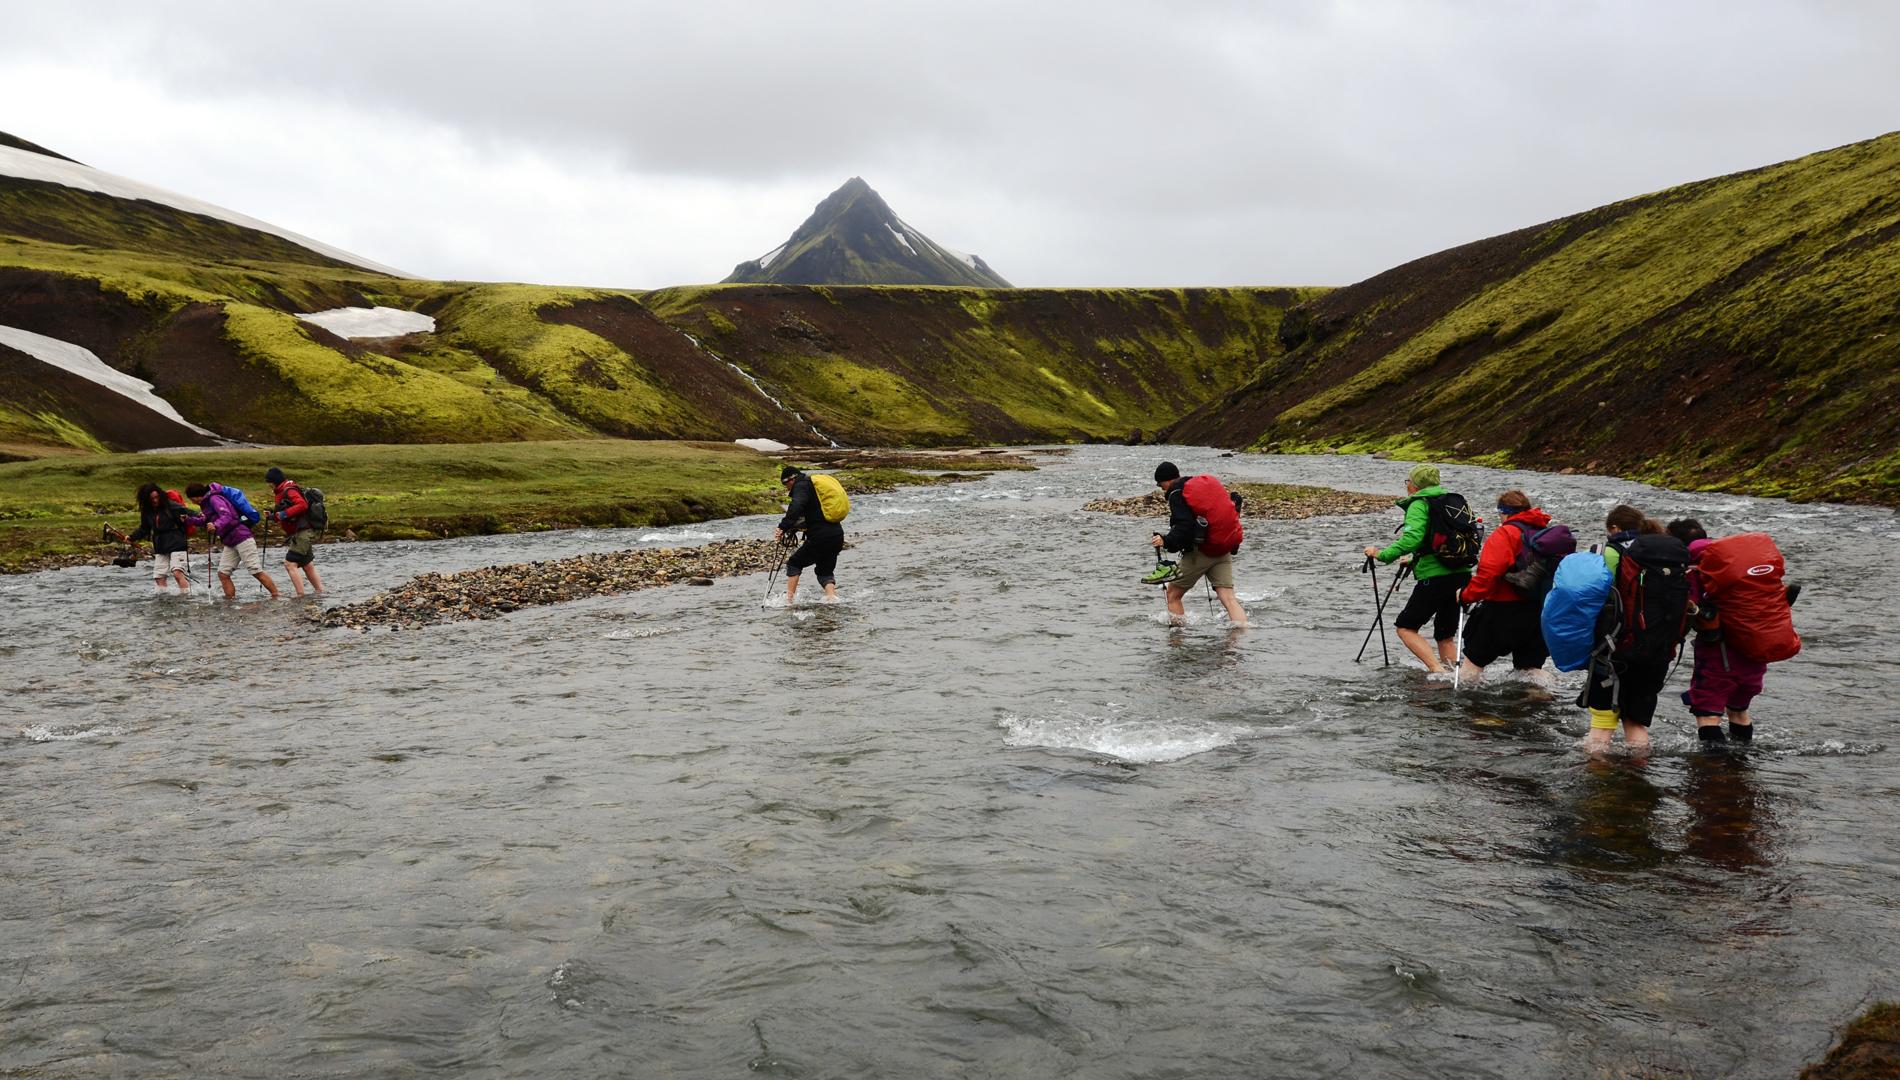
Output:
(1740, 333)
(924, 365)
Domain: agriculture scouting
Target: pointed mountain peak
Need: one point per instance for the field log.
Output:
(853, 237)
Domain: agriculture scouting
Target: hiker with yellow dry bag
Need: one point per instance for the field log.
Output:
(1204, 525)
(818, 507)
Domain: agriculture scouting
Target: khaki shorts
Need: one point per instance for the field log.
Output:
(245, 555)
(1219, 571)
(164, 562)
(299, 549)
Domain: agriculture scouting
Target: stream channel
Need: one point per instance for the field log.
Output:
(989, 816)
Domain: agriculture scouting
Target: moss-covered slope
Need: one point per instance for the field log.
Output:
(932, 365)
(1738, 332)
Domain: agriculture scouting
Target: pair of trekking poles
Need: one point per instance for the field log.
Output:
(778, 565)
(1378, 618)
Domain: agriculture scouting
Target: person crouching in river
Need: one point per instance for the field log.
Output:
(165, 522)
(1188, 534)
(236, 546)
(823, 539)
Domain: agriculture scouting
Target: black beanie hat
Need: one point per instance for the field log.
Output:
(1166, 471)
(787, 473)
(275, 475)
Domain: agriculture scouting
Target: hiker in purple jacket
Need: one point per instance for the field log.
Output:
(236, 546)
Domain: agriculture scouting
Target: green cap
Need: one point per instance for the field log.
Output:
(1424, 476)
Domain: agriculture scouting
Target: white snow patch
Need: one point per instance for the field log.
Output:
(84, 363)
(901, 238)
(967, 260)
(28, 165)
(771, 256)
(371, 322)
(763, 446)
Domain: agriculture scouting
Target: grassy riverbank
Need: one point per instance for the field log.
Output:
(1869, 1048)
(51, 509)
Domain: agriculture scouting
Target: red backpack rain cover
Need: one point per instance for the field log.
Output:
(1742, 574)
(1211, 503)
(179, 501)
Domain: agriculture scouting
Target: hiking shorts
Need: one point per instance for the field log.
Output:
(299, 549)
(1435, 599)
(819, 551)
(1500, 627)
(1722, 683)
(164, 562)
(1217, 569)
(245, 555)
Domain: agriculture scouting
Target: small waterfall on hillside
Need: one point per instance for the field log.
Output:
(756, 385)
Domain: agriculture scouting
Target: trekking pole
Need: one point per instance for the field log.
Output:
(1378, 622)
(1378, 616)
(778, 563)
(1458, 651)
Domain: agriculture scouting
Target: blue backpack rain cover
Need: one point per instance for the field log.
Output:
(1577, 594)
(244, 508)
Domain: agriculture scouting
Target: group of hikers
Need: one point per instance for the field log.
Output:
(227, 514)
(1620, 610)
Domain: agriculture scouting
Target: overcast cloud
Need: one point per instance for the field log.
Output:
(1092, 143)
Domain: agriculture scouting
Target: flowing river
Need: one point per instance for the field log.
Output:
(989, 816)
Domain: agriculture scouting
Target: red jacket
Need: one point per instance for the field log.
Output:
(1497, 556)
(291, 506)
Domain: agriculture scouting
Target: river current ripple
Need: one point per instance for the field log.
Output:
(987, 817)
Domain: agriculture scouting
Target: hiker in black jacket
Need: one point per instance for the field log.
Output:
(164, 521)
(823, 539)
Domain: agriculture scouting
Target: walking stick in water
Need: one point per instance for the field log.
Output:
(1458, 652)
(1378, 615)
(777, 565)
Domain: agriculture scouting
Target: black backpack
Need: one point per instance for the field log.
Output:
(316, 518)
(1649, 598)
(1452, 531)
(1537, 558)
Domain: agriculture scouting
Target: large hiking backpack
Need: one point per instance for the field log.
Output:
(1651, 597)
(1537, 558)
(240, 503)
(1742, 574)
(1578, 591)
(317, 517)
(831, 497)
(1217, 511)
(1452, 532)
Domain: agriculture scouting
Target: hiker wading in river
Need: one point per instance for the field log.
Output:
(1204, 525)
(824, 537)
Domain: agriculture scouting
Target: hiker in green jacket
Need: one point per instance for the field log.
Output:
(1435, 597)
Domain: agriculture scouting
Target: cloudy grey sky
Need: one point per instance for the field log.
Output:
(1089, 143)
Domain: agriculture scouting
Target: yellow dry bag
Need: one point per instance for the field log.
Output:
(831, 497)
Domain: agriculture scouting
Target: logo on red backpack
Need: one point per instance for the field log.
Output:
(1760, 571)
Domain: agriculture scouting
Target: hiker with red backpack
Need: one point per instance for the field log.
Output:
(303, 517)
(1743, 622)
(1508, 587)
(166, 522)
(1204, 526)
(1444, 538)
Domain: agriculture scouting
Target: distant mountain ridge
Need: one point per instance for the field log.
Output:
(854, 237)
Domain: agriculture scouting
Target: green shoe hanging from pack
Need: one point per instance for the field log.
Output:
(1162, 573)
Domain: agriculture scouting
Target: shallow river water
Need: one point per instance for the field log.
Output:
(987, 817)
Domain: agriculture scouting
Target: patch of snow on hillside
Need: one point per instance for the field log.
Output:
(763, 446)
(767, 259)
(967, 260)
(901, 238)
(84, 363)
(371, 322)
(28, 165)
